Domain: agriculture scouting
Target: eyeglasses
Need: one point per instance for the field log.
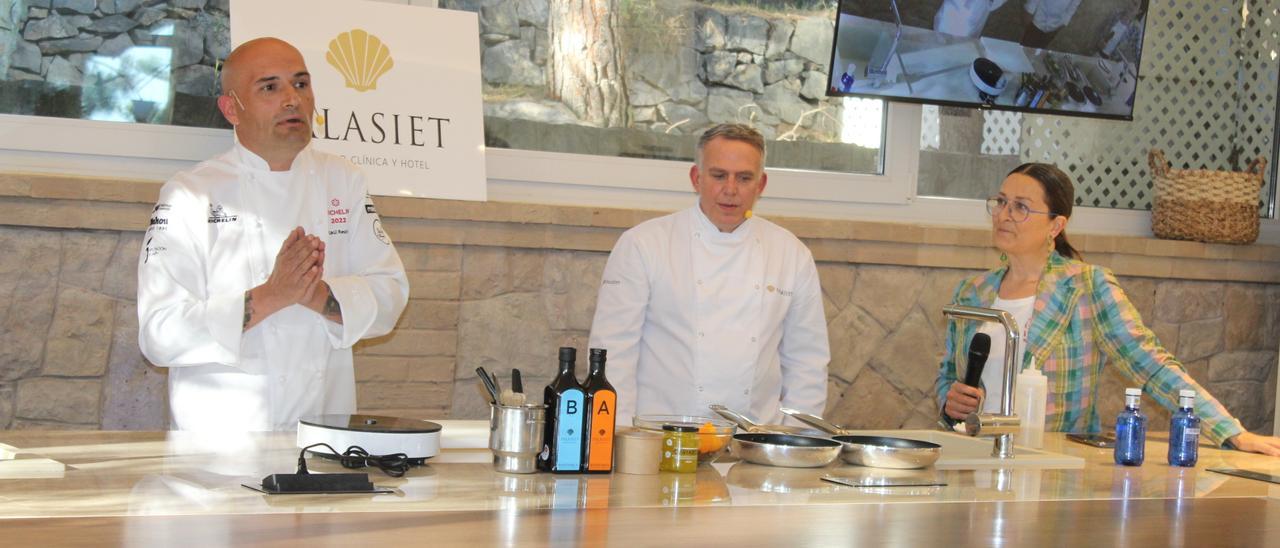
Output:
(1019, 213)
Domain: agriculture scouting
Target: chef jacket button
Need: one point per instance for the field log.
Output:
(699, 388)
(746, 392)
(753, 339)
(699, 282)
(757, 286)
(700, 334)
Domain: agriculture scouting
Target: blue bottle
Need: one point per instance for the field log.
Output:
(846, 79)
(1184, 431)
(1131, 430)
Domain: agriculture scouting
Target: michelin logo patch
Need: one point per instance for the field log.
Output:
(217, 215)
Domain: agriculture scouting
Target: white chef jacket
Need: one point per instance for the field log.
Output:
(215, 234)
(692, 316)
(964, 17)
(1051, 15)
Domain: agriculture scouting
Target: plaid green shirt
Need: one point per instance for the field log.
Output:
(1083, 321)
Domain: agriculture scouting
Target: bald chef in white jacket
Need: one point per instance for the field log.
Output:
(711, 305)
(263, 266)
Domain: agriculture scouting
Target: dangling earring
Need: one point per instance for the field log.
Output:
(1004, 258)
(1049, 240)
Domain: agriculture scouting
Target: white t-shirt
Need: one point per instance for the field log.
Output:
(993, 371)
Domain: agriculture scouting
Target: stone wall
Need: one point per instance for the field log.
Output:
(688, 65)
(68, 58)
(69, 355)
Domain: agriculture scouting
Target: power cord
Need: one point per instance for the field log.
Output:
(356, 457)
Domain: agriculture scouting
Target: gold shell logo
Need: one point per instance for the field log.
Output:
(360, 57)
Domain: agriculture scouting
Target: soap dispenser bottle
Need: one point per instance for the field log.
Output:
(1032, 399)
(1131, 430)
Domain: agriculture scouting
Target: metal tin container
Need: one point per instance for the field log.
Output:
(515, 436)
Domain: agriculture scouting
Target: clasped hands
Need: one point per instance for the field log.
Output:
(296, 278)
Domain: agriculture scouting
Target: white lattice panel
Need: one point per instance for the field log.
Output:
(930, 128)
(1000, 132)
(1207, 96)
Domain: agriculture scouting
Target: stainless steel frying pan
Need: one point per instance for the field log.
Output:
(874, 451)
(779, 445)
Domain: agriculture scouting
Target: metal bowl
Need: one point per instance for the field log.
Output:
(886, 452)
(787, 450)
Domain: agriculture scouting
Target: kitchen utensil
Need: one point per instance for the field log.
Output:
(750, 426)
(484, 392)
(786, 450)
(511, 398)
(713, 440)
(515, 436)
(497, 385)
(514, 395)
(874, 451)
(488, 383)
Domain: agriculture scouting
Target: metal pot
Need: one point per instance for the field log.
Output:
(786, 450)
(874, 451)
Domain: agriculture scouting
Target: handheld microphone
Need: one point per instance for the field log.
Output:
(979, 347)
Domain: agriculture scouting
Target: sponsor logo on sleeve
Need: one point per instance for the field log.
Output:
(379, 233)
(159, 219)
(151, 250)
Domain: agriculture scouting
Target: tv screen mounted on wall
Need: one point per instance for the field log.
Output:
(1074, 57)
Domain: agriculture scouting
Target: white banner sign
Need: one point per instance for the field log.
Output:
(397, 88)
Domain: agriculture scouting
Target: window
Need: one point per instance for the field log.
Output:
(1206, 96)
(657, 73)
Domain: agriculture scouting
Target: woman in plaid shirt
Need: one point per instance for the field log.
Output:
(1074, 316)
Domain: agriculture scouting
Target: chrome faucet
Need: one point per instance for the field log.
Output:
(882, 55)
(1005, 423)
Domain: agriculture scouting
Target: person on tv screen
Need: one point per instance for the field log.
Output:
(1043, 19)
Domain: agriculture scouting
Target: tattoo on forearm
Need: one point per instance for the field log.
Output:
(332, 309)
(248, 308)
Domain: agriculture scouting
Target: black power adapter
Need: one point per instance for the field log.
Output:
(355, 457)
(317, 483)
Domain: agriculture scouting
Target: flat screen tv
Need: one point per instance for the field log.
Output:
(1074, 57)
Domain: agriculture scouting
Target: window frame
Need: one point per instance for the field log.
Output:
(155, 152)
(896, 185)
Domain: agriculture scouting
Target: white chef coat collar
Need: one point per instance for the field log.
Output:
(712, 233)
(250, 159)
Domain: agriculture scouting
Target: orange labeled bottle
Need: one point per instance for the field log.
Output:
(602, 404)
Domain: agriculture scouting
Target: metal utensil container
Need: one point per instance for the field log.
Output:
(515, 436)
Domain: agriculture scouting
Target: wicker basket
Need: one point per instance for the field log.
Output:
(1205, 205)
